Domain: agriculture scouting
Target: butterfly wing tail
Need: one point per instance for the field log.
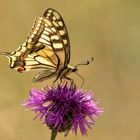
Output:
(5, 53)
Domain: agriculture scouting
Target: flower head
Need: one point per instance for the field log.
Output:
(64, 107)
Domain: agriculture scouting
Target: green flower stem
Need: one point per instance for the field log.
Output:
(53, 134)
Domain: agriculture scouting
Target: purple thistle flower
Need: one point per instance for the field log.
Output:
(64, 107)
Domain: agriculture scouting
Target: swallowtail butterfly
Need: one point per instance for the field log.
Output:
(46, 48)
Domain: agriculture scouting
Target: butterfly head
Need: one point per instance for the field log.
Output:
(74, 69)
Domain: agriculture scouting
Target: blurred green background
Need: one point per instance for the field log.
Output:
(109, 31)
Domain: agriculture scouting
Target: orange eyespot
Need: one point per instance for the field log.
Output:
(20, 69)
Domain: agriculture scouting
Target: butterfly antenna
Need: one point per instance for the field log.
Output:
(81, 78)
(85, 63)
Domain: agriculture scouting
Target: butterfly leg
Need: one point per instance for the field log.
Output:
(71, 80)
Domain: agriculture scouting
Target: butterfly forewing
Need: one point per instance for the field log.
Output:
(61, 30)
